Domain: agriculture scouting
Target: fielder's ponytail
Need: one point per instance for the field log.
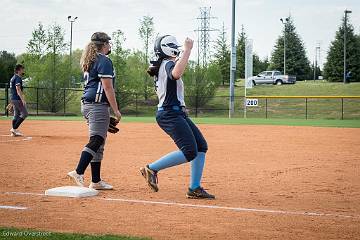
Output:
(89, 54)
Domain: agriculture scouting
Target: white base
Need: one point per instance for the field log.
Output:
(71, 191)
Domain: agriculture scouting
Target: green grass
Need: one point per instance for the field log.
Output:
(2, 101)
(284, 122)
(301, 88)
(276, 108)
(226, 121)
(292, 108)
(27, 234)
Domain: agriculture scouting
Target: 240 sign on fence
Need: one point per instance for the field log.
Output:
(252, 102)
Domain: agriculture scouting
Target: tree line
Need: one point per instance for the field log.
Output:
(297, 62)
(48, 63)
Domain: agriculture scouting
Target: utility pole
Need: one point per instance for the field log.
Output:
(232, 62)
(223, 38)
(345, 30)
(317, 56)
(284, 22)
(204, 35)
(71, 20)
(204, 50)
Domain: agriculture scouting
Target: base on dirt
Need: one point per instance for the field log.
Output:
(71, 191)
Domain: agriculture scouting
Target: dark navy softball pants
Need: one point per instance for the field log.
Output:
(183, 131)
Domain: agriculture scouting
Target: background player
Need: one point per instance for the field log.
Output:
(172, 118)
(18, 100)
(98, 95)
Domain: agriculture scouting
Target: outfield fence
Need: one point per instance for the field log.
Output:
(66, 101)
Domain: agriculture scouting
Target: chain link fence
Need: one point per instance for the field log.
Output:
(66, 102)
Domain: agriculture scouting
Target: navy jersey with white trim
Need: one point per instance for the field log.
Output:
(170, 91)
(93, 89)
(15, 81)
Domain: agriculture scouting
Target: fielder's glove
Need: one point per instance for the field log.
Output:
(112, 126)
(10, 108)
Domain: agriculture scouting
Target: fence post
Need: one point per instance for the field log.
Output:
(136, 104)
(196, 106)
(64, 101)
(37, 101)
(266, 108)
(306, 108)
(6, 99)
(342, 108)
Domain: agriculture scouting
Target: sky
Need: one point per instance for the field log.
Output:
(316, 21)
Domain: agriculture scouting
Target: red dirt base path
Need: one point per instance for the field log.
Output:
(278, 182)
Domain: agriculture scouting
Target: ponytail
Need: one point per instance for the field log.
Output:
(153, 69)
(89, 55)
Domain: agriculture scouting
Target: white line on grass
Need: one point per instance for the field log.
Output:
(12, 207)
(200, 206)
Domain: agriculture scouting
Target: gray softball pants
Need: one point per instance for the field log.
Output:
(97, 116)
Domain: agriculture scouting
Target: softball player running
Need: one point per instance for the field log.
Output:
(18, 100)
(172, 118)
(98, 95)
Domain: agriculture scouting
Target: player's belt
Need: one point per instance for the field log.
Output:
(175, 108)
(87, 102)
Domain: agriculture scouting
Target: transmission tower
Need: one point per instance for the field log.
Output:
(203, 32)
(317, 60)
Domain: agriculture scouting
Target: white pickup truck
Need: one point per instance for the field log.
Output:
(272, 77)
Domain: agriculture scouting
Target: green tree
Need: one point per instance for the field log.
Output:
(200, 84)
(48, 70)
(146, 33)
(222, 56)
(240, 53)
(119, 57)
(56, 46)
(119, 53)
(76, 70)
(259, 65)
(38, 44)
(7, 64)
(297, 62)
(135, 70)
(334, 66)
(34, 58)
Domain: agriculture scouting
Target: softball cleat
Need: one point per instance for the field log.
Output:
(102, 185)
(77, 178)
(15, 133)
(199, 193)
(150, 177)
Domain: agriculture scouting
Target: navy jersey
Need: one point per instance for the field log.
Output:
(15, 81)
(101, 68)
(170, 91)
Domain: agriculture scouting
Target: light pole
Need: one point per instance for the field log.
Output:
(284, 23)
(345, 30)
(233, 62)
(317, 49)
(71, 20)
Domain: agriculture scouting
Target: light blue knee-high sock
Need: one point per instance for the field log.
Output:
(169, 160)
(197, 167)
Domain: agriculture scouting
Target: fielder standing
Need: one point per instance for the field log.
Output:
(172, 117)
(18, 100)
(98, 97)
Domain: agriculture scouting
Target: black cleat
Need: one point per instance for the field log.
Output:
(199, 193)
(150, 177)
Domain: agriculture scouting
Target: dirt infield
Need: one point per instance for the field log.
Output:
(271, 182)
